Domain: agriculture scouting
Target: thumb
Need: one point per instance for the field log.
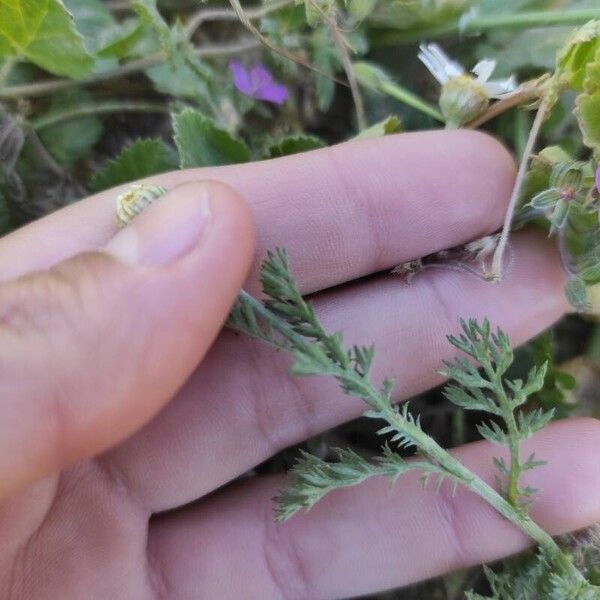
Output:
(91, 349)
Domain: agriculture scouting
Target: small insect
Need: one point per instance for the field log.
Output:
(136, 200)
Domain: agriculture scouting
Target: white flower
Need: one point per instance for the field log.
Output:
(443, 68)
(439, 63)
(464, 95)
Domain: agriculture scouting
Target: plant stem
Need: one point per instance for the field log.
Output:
(514, 471)
(521, 128)
(340, 42)
(267, 43)
(223, 14)
(512, 491)
(478, 24)
(43, 88)
(426, 445)
(528, 91)
(95, 109)
(433, 451)
(406, 97)
(536, 18)
(135, 66)
(495, 273)
(467, 478)
(508, 414)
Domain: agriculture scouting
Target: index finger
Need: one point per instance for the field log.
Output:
(342, 212)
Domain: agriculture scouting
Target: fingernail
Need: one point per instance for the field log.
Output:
(166, 231)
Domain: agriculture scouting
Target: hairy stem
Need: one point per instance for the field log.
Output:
(44, 88)
(512, 491)
(340, 42)
(495, 273)
(247, 23)
(223, 14)
(426, 445)
(514, 471)
(433, 451)
(406, 97)
(467, 478)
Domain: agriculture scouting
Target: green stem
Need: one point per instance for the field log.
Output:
(514, 472)
(426, 445)
(359, 105)
(405, 96)
(478, 24)
(223, 14)
(432, 450)
(522, 126)
(44, 88)
(512, 492)
(536, 18)
(75, 112)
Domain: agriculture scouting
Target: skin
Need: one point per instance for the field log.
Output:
(124, 408)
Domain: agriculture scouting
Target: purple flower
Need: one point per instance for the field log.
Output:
(598, 179)
(257, 82)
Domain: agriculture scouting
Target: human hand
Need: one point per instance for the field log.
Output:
(107, 416)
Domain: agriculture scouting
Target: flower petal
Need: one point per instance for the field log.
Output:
(439, 63)
(257, 82)
(484, 69)
(276, 93)
(598, 179)
(241, 77)
(265, 87)
(260, 76)
(501, 88)
(432, 65)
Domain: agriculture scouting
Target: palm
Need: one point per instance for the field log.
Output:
(122, 525)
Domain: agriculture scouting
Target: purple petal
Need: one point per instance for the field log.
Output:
(265, 88)
(260, 76)
(598, 179)
(258, 83)
(274, 92)
(241, 78)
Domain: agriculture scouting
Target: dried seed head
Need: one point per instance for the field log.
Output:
(135, 200)
(482, 248)
(408, 269)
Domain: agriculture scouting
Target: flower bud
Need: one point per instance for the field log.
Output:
(462, 100)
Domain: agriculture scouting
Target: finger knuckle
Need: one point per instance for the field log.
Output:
(43, 304)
